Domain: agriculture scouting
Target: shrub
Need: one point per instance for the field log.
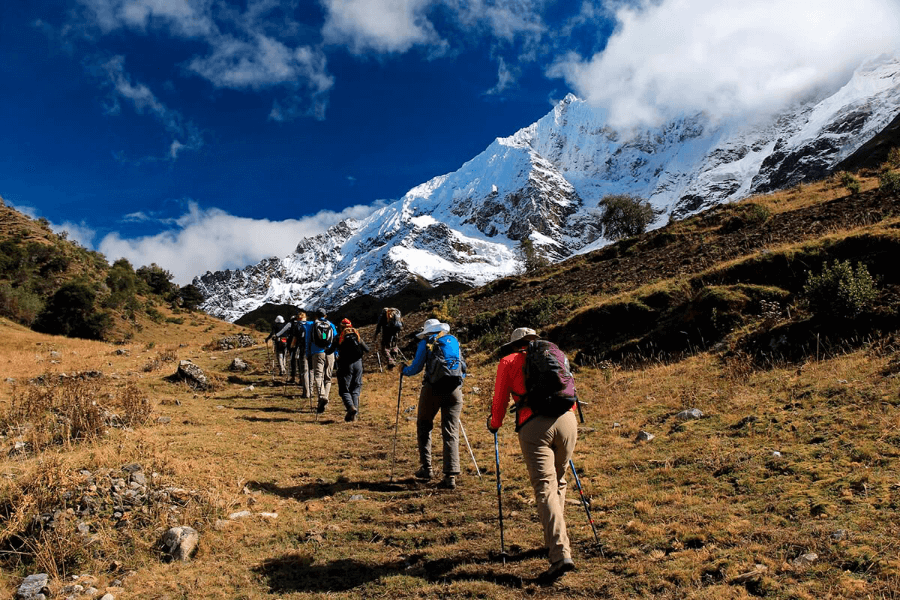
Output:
(625, 216)
(889, 182)
(157, 279)
(261, 325)
(851, 182)
(531, 258)
(840, 290)
(71, 312)
(893, 158)
(19, 304)
(190, 297)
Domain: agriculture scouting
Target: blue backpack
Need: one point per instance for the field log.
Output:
(444, 365)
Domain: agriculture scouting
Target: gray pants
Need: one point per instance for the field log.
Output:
(450, 407)
(350, 384)
(323, 365)
(300, 362)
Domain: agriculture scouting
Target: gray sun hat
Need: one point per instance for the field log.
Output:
(433, 326)
(519, 338)
(279, 319)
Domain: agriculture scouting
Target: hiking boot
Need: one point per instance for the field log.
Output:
(423, 473)
(350, 416)
(448, 482)
(558, 569)
(321, 407)
(291, 382)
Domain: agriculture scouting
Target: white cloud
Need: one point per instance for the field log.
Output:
(144, 101)
(211, 240)
(379, 25)
(727, 57)
(188, 18)
(505, 77)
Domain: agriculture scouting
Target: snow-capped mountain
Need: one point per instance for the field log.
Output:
(545, 182)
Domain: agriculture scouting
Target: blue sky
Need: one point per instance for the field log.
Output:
(208, 134)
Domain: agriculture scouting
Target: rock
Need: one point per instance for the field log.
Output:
(839, 535)
(191, 374)
(776, 454)
(19, 449)
(122, 352)
(34, 587)
(243, 514)
(164, 420)
(745, 578)
(107, 597)
(139, 478)
(133, 468)
(689, 414)
(241, 340)
(644, 436)
(806, 559)
(181, 543)
(356, 497)
(268, 515)
(238, 365)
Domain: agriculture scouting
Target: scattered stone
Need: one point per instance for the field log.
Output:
(55, 354)
(268, 515)
(238, 365)
(164, 420)
(107, 597)
(10, 380)
(241, 340)
(181, 543)
(34, 587)
(249, 388)
(191, 374)
(806, 559)
(689, 414)
(91, 591)
(476, 390)
(19, 449)
(749, 576)
(776, 454)
(644, 436)
(133, 468)
(839, 535)
(73, 589)
(122, 352)
(356, 497)
(616, 425)
(243, 514)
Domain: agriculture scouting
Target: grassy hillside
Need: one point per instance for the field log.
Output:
(54, 285)
(787, 486)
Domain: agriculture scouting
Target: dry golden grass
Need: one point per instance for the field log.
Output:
(688, 514)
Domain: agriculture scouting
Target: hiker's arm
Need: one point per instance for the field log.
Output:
(502, 389)
(418, 362)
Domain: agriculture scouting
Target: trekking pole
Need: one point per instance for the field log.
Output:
(584, 502)
(378, 356)
(396, 426)
(472, 454)
(271, 361)
(499, 497)
(580, 414)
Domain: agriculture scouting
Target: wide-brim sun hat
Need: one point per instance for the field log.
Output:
(517, 339)
(432, 326)
(279, 319)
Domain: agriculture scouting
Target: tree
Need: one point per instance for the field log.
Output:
(625, 216)
(158, 280)
(71, 312)
(532, 259)
(122, 283)
(190, 296)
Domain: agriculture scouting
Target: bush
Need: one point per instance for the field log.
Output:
(890, 182)
(625, 216)
(19, 304)
(531, 258)
(851, 182)
(893, 158)
(71, 312)
(190, 297)
(157, 279)
(840, 290)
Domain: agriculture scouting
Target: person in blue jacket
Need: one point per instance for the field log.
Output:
(321, 344)
(439, 354)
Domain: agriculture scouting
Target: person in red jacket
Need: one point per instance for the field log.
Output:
(547, 444)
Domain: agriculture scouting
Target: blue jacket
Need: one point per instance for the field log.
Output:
(312, 348)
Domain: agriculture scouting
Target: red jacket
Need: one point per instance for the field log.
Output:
(510, 381)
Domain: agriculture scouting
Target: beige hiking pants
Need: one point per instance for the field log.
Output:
(547, 445)
(323, 366)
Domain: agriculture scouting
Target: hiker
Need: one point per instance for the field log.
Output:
(350, 350)
(320, 347)
(439, 354)
(278, 342)
(297, 348)
(391, 321)
(547, 444)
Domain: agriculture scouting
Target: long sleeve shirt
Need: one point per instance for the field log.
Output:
(510, 381)
(418, 362)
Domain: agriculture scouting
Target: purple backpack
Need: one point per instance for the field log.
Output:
(549, 385)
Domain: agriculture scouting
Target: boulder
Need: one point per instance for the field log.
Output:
(689, 414)
(238, 365)
(645, 436)
(180, 543)
(192, 375)
(34, 587)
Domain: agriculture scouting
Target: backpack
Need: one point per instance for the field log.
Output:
(350, 349)
(549, 385)
(444, 365)
(298, 335)
(323, 334)
(392, 318)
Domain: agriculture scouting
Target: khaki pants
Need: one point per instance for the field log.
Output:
(323, 366)
(547, 445)
(450, 406)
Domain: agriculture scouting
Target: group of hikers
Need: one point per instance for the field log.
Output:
(532, 373)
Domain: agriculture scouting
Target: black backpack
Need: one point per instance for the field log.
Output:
(392, 318)
(549, 385)
(297, 335)
(350, 349)
(323, 334)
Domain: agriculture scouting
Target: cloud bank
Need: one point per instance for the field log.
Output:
(212, 240)
(727, 57)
